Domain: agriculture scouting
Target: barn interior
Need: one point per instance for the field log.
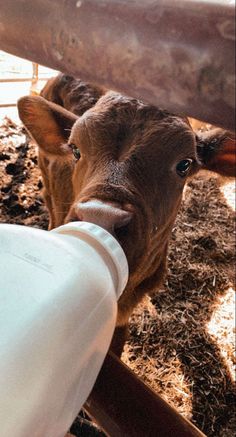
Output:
(181, 340)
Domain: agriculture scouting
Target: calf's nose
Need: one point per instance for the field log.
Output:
(107, 215)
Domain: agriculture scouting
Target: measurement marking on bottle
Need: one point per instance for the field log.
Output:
(33, 260)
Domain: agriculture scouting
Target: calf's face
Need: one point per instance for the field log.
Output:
(132, 164)
(122, 165)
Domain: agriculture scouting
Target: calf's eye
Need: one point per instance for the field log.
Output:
(184, 166)
(75, 151)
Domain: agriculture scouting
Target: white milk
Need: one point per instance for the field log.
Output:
(58, 307)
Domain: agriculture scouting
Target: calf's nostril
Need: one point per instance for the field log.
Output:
(73, 217)
(121, 231)
(121, 225)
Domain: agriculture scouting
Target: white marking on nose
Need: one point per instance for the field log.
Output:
(107, 215)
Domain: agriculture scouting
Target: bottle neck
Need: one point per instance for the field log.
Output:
(106, 245)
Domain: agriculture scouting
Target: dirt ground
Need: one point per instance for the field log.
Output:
(182, 339)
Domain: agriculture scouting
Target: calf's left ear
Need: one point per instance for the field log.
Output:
(216, 151)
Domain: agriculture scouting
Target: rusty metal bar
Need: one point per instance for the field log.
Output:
(35, 73)
(177, 54)
(123, 405)
(7, 105)
(22, 79)
(19, 79)
(34, 79)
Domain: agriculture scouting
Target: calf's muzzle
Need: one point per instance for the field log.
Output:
(108, 215)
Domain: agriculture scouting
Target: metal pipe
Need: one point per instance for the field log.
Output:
(23, 79)
(123, 405)
(35, 72)
(7, 105)
(176, 54)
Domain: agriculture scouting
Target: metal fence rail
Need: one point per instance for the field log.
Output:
(177, 54)
(33, 80)
(123, 405)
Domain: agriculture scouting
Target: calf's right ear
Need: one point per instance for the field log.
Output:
(49, 124)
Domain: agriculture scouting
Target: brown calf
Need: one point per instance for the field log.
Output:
(122, 164)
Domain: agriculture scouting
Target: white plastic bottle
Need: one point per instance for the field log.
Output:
(58, 307)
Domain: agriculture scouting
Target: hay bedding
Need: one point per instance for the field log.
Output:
(181, 341)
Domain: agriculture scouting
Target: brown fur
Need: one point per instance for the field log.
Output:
(129, 152)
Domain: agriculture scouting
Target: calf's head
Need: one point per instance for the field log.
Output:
(128, 163)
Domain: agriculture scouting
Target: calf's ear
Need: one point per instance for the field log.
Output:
(49, 124)
(216, 150)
